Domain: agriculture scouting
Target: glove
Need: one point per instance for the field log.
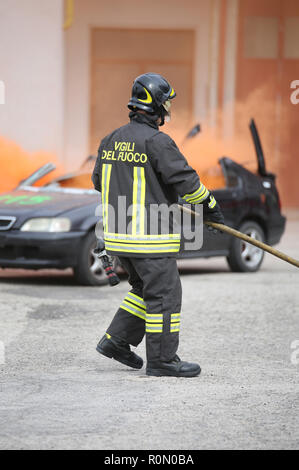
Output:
(212, 212)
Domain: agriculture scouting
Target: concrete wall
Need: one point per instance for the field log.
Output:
(169, 14)
(32, 69)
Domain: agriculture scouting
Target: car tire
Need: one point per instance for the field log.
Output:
(244, 257)
(89, 270)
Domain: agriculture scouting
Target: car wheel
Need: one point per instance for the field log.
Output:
(244, 257)
(89, 270)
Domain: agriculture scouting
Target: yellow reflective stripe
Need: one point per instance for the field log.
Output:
(150, 248)
(145, 242)
(106, 174)
(130, 310)
(194, 194)
(137, 246)
(142, 201)
(106, 194)
(200, 194)
(135, 191)
(108, 336)
(137, 297)
(175, 317)
(175, 322)
(138, 200)
(172, 92)
(174, 328)
(144, 250)
(201, 198)
(212, 203)
(154, 323)
(103, 188)
(136, 300)
(203, 190)
(154, 318)
(134, 304)
(154, 328)
(133, 307)
(119, 236)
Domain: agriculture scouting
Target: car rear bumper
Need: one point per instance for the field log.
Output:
(39, 250)
(276, 230)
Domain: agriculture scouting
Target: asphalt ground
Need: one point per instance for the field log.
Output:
(57, 392)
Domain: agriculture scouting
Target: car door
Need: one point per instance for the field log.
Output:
(232, 202)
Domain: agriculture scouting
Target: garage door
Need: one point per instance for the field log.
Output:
(119, 55)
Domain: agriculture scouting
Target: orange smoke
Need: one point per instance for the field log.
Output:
(204, 150)
(17, 164)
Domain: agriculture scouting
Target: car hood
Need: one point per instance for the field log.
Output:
(24, 204)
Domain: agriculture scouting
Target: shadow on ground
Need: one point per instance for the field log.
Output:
(56, 277)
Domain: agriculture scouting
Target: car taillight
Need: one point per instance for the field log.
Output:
(279, 202)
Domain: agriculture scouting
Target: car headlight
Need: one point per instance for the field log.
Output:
(57, 224)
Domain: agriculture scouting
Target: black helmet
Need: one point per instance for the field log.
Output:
(149, 92)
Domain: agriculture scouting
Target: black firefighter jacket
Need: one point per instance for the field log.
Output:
(140, 173)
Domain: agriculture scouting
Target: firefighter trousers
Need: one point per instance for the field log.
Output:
(152, 307)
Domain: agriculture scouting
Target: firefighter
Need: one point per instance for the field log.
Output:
(142, 167)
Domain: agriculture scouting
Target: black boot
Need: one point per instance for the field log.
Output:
(174, 368)
(120, 351)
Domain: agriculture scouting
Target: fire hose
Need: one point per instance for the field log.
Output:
(246, 238)
(113, 278)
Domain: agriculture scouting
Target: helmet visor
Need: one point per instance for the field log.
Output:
(167, 106)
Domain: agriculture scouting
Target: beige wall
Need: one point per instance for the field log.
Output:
(120, 55)
(32, 69)
(169, 14)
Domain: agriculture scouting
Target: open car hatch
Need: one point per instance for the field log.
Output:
(259, 150)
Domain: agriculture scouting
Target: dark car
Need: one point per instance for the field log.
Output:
(53, 226)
